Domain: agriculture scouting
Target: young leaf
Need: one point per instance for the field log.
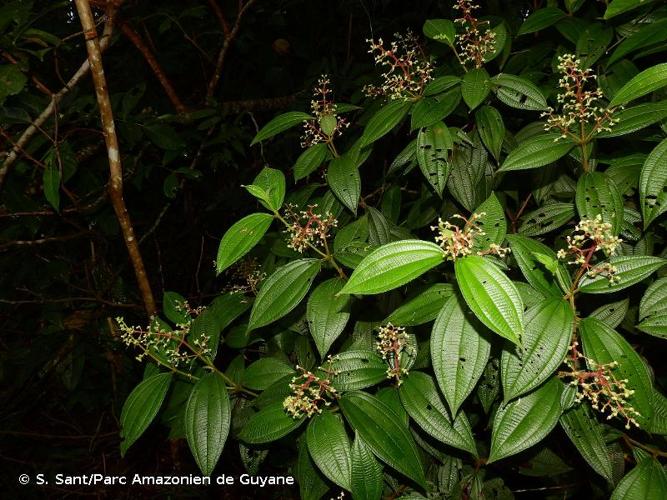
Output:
(491, 129)
(647, 81)
(241, 238)
(518, 92)
(393, 265)
(630, 269)
(310, 160)
(653, 184)
(460, 349)
(327, 314)
(269, 424)
(647, 481)
(207, 420)
(545, 342)
(279, 124)
(598, 195)
(536, 152)
(433, 146)
(382, 122)
(525, 421)
(491, 295)
(525, 251)
(282, 291)
(475, 87)
(424, 405)
(422, 307)
(384, 433)
(367, 483)
(330, 449)
(141, 407)
(269, 188)
(344, 180)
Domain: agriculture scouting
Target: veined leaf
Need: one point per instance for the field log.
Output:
(269, 424)
(357, 369)
(312, 484)
(475, 87)
(393, 265)
(431, 110)
(241, 238)
(647, 481)
(327, 314)
(649, 34)
(310, 160)
(384, 433)
(423, 307)
(653, 184)
(653, 309)
(269, 188)
(598, 195)
(384, 121)
(612, 314)
(630, 269)
(491, 295)
(207, 420)
(617, 7)
(492, 221)
(367, 481)
(441, 84)
(545, 342)
(547, 218)
(525, 421)
(423, 403)
(491, 129)
(344, 180)
(330, 449)
(379, 230)
(281, 123)
(538, 276)
(51, 184)
(264, 372)
(541, 19)
(518, 92)
(536, 151)
(647, 81)
(460, 349)
(433, 146)
(441, 30)
(636, 118)
(282, 291)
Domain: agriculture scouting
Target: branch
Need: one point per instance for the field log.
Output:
(115, 166)
(55, 99)
(230, 35)
(138, 42)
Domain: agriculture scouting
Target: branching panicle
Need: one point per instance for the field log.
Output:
(327, 124)
(392, 342)
(477, 40)
(310, 394)
(459, 242)
(307, 227)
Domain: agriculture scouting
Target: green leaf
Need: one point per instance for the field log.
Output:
(310, 160)
(604, 345)
(173, 305)
(441, 30)
(547, 218)
(460, 349)
(264, 372)
(649, 34)
(598, 195)
(393, 265)
(327, 314)
(241, 238)
(164, 137)
(51, 184)
(536, 151)
(207, 420)
(382, 122)
(592, 44)
(441, 84)
(541, 19)
(493, 223)
(357, 369)
(491, 295)
(312, 485)
(282, 291)
(475, 87)
(141, 407)
(538, 276)
(379, 230)
(549, 327)
(653, 309)
(367, 480)
(425, 406)
(585, 433)
(617, 7)
(384, 433)
(647, 481)
(12, 81)
(279, 124)
(636, 118)
(269, 424)
(491, 129)
(433, 146)
(653, 184)
(612, 314)
(630, 269)
(330, 449)
(344, 180)
(647, 81)
(269, 187)
(525, 421)
(422, 307)
(430, 110)
(518, 92)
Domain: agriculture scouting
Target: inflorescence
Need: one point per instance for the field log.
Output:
(307, 228)
(581, 116)
(591, 235)
(392, 342)
(606, 393)
(327, 124)
(406, 69)
(459, 242)
(310, 394)
(477, 40)
(246, 276)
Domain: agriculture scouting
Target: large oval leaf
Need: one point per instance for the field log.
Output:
(475, 87)
(644, 83)
(491, 295)
(327, 314)
(330, 449)
(367, 481)
(241, 238)
(207, 419)
(653, 184)
(544, 346)
(541, 19)
(269, 424)
(636, 118)
(460, 349)
(283, 291)
(357, 369)
(384, 120)
(433, 146)
(384, 433)
(312, 484)
(310, 160)
(519, 93)
(525, 421)
(344, 180)
(264, 372)
(141, 407)
(393, 265)
(422, 307)
(547, 218)
(279, 124)
(536, 152)
(630, 269)
(653, 309)
(491, 129)
(647, 481)
(598, 195)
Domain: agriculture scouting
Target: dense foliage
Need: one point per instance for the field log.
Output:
(447, 281)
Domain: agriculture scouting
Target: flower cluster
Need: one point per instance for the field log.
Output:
(591, 235)
(606, 393)
(307, 227)
(326, 124)
(477, 40)
(310, 394)
(392, 341)
(246, 277)
(459, 242)
(581, 115)
(406, 69)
